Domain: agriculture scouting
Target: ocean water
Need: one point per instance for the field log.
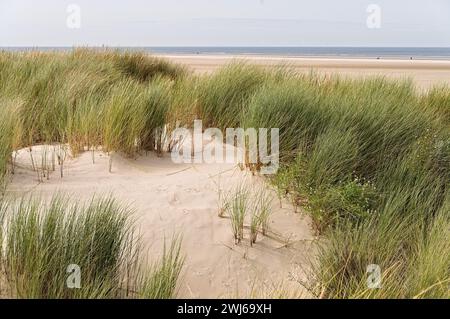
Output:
(363, 52)
(355, 52)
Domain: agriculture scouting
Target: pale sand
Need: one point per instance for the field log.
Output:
(182, 198)
(424, 73)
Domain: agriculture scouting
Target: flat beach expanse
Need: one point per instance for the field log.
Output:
(424, 73)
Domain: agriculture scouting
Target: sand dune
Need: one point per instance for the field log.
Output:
(180, 198)
(424, 73)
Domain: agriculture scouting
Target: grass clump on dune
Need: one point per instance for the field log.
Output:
(185, 105)
(412, 255)
(44, 242)
(144, 68)
(161, 282)
(135, 117)
(260, 215)
(240, 205)
(438, 99)
(223, 95)
(291, 106)
(88, 99)
(373, 177)
(10, 134)
(238, 209)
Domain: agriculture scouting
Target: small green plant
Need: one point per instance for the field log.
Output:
(350, 201)
(161, 281)
(237, 207)
(255, 222)
(264, 211)
(241, 203)
(260, 213)
(9, 138)
(238, 212)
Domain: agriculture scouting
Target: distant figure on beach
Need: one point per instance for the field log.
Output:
(378, 57)
(410, 58)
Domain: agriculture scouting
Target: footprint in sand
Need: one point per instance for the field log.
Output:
(174, 199)
(161, 189)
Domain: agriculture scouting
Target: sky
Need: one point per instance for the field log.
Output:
(225, 23)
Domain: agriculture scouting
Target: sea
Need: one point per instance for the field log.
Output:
(434, 53)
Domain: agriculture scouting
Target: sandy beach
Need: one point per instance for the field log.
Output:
(424, 73)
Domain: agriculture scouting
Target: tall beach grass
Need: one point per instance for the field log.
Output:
(369, 159)
(45, 244)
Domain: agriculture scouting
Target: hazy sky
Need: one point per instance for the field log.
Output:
(223, 23)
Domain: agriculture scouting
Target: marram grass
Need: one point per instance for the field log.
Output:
(42, 241)
(369, 159)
